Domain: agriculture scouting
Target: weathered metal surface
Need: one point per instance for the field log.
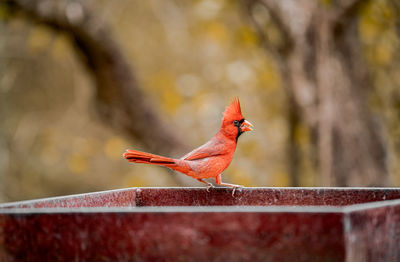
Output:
(263, 196)
(112, 198)
(191, 224)
(373, 234)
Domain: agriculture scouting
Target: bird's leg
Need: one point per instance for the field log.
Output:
(233, 187)
(209, 185)
(219, 182)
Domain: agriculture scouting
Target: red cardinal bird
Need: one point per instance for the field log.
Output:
(210, 159)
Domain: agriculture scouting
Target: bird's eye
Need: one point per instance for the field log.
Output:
(235, 122)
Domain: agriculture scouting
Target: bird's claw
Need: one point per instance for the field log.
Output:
(234, 189)
(209, 186)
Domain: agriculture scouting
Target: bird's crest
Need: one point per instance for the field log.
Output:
(233, 108)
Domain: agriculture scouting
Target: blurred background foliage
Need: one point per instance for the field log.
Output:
(191, 58)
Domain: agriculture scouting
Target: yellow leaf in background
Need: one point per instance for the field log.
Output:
(4, 12)
(162, 80)
(375, 20)
(270, 78)
(172, 100)
(274, 35)
(39, 39)
(302, 135)
(78, 163)
(247, 36)
(164, 83)
(61, 47)
(368, 28)
(308, 177)
(327, 3)
(114, 147)
(385, 10)
(383, 53)
(136, 181)
(217, 32)
(240, 177)
(280, 179)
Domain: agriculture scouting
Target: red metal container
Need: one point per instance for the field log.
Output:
(191, 224)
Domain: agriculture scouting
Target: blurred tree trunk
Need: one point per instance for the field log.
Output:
(327, 82)
(120, 102)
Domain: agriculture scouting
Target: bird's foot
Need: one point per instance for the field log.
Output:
(234, 189)
(209, 185)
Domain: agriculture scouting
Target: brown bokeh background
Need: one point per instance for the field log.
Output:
(190, 58)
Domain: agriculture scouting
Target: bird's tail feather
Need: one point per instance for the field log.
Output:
(147, 158)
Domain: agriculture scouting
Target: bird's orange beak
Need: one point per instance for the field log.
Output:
(246, 126)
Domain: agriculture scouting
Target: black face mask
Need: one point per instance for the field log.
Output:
(238, 124)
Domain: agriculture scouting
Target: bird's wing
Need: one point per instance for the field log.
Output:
(209, 149)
